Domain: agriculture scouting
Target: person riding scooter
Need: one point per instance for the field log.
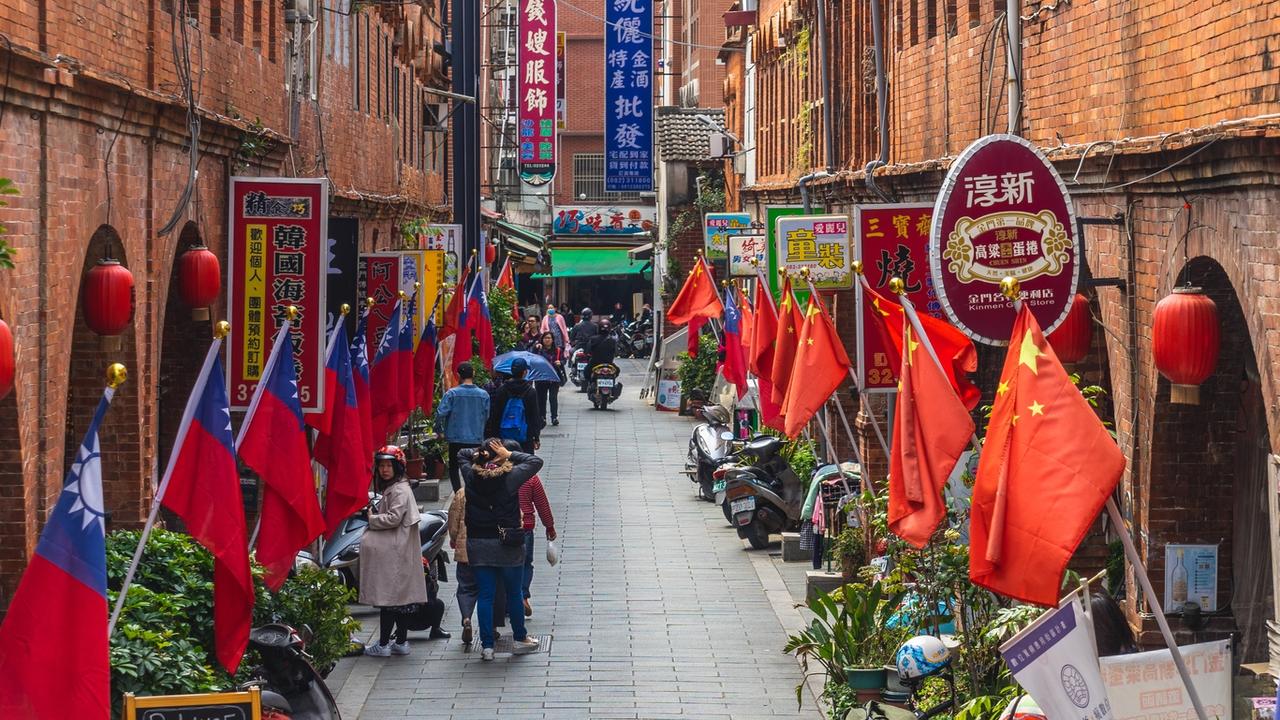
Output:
(602, 348)
(586, 329)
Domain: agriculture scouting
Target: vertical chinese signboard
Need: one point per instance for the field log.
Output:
(446, 238)
(278, 248)
(562, 107)
(1003, 212)
(817, 242)
(628, 97)
(536, 94)
(892, 241)
(379, 279)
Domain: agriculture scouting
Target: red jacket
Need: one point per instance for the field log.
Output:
(534, 496)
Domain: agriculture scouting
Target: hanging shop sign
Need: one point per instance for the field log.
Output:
(536, 91)
(891, 241)
(1055, 660)
(562, 106)
(819, 243)
(1003, 212)
(343, 271)
(448, 239)
(743, 250)
(771, 215)
(628, 96)
(716, 229)
(380, 275)
(278, 257)
(603, 220)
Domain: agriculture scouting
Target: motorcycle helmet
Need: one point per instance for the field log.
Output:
(392, 453)
(1023, 707)
(586, 313)
(922, 656)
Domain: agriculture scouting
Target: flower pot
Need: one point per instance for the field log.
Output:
(849, 566)
(893, 683)
(413, 467)
(866, 682)
(435, 468)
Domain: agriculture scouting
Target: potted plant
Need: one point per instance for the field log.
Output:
(850, 550)
(850, 636)
(434, 449)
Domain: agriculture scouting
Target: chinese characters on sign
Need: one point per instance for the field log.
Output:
(716, 229)
(1147, 686)
(562, 107)
(1055, 660)
(446, 238)
(892, 241)
(380, 275)
(742, 250)
(628, 111)
(609, 220)
(1191, 575)
(817, 242)
(279, 257)
(1003, 212)
(537, 94)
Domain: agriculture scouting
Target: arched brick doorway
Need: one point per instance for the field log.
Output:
(1209, 465)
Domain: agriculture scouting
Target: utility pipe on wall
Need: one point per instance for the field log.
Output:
(882, 100)
(825, 64)
(1013, 21)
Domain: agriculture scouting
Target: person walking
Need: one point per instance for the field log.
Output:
(554, 323)
(461, 417)
(549, 390)
(468, 592)
(515, 414)
(530, 333)
(533, 500)
(390, 556)
(492, 477)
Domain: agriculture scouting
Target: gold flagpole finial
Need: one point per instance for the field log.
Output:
(221, 330)
(368, 302)
(291, 312)
(804, 273)
(116, 375)
(346, 309)
(857, 267)
(1010, 287)
(417, 285)
(897, 286)
(404, 295)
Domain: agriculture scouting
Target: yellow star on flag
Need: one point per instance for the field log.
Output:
(1036, 408)
(1002, 388)
(1015, 420)
(876, 304)
(810, 340)
(1029, 351)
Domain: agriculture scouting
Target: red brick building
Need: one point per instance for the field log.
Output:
(1165, 115)
(96, 109)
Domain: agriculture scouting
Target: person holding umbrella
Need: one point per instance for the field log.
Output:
(549, 390)
(514, 414)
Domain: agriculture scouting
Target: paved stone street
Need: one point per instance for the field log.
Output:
(656, 610)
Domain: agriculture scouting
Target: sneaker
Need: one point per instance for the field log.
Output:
(400, 648)
(528, 609)
(466, 633)
(524, 647)
(376, 650)
(486, 654)
(555, 421)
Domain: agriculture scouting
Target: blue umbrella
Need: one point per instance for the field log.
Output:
(539, 367)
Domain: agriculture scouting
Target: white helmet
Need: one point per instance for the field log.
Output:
(921, 657)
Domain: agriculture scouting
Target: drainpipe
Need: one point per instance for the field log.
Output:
(882, 99)
(825, 64)
(804, 181)
(1013, 21)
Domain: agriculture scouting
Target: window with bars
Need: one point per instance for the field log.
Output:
(588, 179)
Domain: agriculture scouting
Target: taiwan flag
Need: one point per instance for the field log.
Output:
(404, 348)
(455, 334)
(360, 378)
(54, 656)
(384, 379)
(478, 319)
(341, 450)
(273, 441)
(424, 367)
(734, 368)
(202, 486)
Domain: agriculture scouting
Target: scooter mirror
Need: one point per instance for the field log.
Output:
(726, 435)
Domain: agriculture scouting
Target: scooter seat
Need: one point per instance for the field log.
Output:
(431, 524)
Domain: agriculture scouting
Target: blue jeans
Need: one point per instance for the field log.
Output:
(487, 579)
(528, 562)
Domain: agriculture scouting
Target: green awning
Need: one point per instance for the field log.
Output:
(591, 262)
(522, 241)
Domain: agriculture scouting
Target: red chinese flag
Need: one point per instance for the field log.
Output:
(821, 364)
(202, 487)
(698, 297)
(760, 354)
(273, 442)
(455, 310)
(748, 319)
(506, 279)
(790, 324)
(692, 334)
(1047, 467)
(931, 430)
(954, 349)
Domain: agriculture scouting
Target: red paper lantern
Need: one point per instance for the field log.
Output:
(1184, 340)
(490, 254)
(107, 298)
(1073, 336)
(6, 359)
(199, 280)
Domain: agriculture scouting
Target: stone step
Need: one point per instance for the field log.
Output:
(820, 581)
(791, 551)
(427, 491)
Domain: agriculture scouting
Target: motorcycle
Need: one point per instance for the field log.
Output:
(577, 368)
(764, 497)
(710, 446)
(636, 340)
(291, 687)
(341, 552)
(605, 385)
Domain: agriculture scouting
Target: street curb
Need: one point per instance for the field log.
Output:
(784, 608)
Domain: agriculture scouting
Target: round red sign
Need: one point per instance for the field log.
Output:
(1003, 212)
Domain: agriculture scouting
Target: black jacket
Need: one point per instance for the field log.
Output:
(494, 501)
(513, 388)
(582, 333)
(603, 349)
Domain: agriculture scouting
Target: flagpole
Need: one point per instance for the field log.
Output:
(281, 338)
(220, 331)
(1011, 289)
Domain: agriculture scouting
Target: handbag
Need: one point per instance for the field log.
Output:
(511, 537)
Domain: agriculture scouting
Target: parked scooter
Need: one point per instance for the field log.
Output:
(342, 549)
(291, 687)
(636, 340)
(764, 497)
(710, 446)
(605, 385)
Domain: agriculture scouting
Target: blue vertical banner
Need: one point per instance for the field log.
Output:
(628, 82)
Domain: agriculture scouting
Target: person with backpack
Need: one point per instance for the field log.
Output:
(492, 477)
(514, 413)
(461, 417)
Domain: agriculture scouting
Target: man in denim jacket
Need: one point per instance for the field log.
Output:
(461, 418)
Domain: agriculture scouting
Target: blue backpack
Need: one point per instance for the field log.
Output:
(514, 426)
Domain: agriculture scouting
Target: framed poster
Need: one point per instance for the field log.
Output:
(278, 258)
(1190, 575)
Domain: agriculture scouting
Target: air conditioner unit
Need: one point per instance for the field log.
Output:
(721, 145)
(298, 11)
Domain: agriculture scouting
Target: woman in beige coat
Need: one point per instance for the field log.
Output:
(391, 573)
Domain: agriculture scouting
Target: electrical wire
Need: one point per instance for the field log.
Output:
(111, 146)
(1166, 168)
(182, 68)
(651, 36)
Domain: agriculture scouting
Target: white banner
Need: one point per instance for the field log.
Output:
(1055, 661)
(1146, 686)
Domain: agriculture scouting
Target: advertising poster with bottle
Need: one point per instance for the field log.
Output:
(1190, 574)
